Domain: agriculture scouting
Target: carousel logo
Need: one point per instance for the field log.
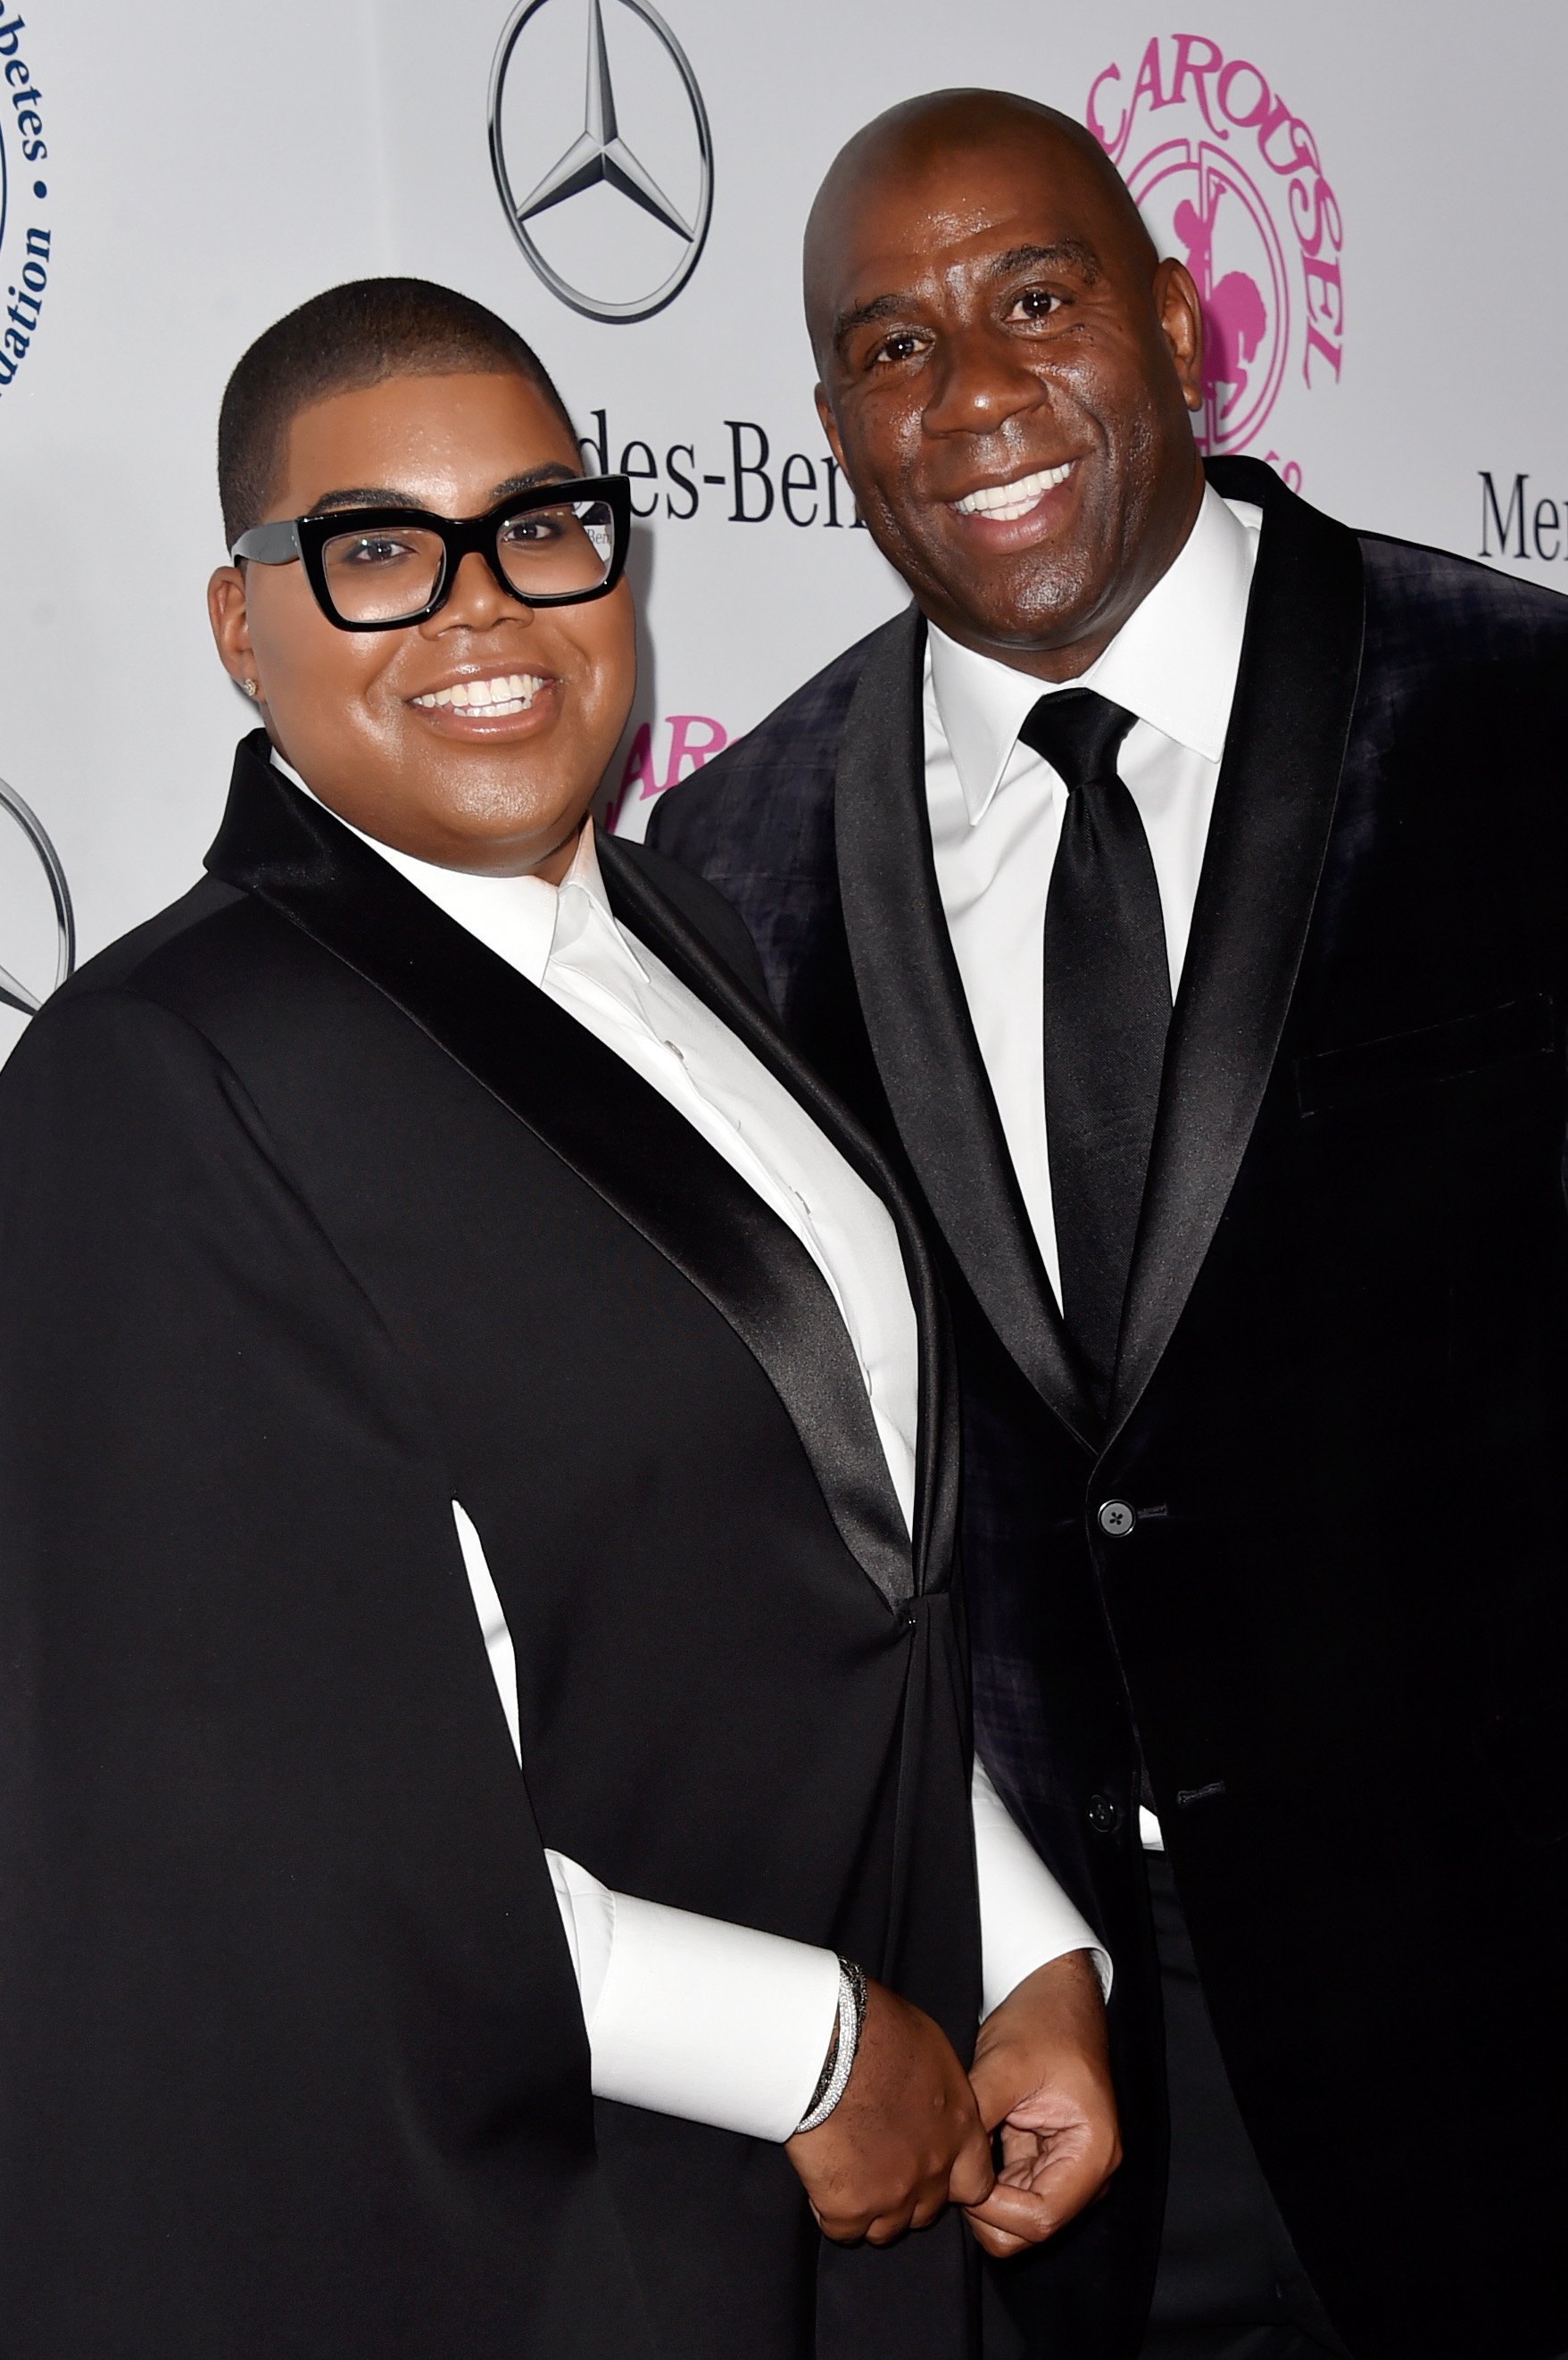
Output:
(656, 760)
(25, 234)
(1229, 180)
(615, 224)
(14, 993)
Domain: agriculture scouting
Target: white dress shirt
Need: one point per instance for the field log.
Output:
(689, 2015)
(997, 808)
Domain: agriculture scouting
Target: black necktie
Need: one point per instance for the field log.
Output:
(1107, 1010)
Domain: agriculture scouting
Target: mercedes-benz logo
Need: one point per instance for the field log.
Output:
(13, 993)
(602, 157)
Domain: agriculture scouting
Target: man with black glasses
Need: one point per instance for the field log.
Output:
(488, 1832)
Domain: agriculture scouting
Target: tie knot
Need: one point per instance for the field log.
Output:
(1079, 735)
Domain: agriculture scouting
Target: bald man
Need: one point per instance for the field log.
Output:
(1179, 888)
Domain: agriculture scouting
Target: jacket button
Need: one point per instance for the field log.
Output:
(1105, 1814)
(1118, 1519)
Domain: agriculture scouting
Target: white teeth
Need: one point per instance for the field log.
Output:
(514, 693)
(1005, 501)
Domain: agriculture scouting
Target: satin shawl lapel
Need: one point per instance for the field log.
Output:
(646, 913)
(912, 998)
(607, 1124)
(1273, 805)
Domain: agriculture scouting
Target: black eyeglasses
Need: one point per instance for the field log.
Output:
(379, 569)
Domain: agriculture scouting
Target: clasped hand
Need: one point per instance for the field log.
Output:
(913, 2132)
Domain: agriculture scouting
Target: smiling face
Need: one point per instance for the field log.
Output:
(1006, 375)
(476, 739)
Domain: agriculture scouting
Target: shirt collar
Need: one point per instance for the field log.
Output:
(515, 917)
(1173, 662)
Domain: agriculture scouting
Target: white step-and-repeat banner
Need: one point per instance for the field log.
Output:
(1369, 198)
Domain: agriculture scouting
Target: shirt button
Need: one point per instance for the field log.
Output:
(676, 1051)
(1118, 1519)
(1105, 1814)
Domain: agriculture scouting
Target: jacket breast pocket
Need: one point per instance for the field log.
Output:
(1365, 1070)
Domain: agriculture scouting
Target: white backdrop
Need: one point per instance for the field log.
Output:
(1371, 197)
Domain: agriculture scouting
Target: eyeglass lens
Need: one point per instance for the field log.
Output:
(390, 572)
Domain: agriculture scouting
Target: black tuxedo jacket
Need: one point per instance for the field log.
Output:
(315, 1217)
(1340, 1620)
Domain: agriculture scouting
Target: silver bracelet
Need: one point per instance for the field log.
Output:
(840, 2062)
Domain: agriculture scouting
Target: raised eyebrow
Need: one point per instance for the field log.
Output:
(1069, 253)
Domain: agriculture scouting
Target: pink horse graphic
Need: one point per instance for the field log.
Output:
(1236, 318)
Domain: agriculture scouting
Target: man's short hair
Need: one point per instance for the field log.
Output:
(350, 337)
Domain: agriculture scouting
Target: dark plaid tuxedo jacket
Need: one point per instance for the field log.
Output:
(1339, 1623)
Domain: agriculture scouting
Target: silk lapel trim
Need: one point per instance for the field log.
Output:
(607, 1125)
(641, 906)
(1273, 808)
(912, 998)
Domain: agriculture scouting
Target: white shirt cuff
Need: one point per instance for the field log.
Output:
(690, 2016)
(1025, 1919)
(685, 2015)
(720, 2024)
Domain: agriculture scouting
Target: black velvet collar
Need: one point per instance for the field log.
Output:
(615, 1132)
(918, 1019)
(1278, 782)
(1273, 806)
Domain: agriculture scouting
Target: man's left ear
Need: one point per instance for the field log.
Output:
(1181, 311)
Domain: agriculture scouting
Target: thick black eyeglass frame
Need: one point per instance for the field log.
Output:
(306, 538)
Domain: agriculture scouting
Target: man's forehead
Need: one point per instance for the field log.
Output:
(971, 244)
(319, 479)
(968, 207)
(975, 237)
(443, 421)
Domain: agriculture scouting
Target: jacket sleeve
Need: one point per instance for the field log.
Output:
(291, 2056)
